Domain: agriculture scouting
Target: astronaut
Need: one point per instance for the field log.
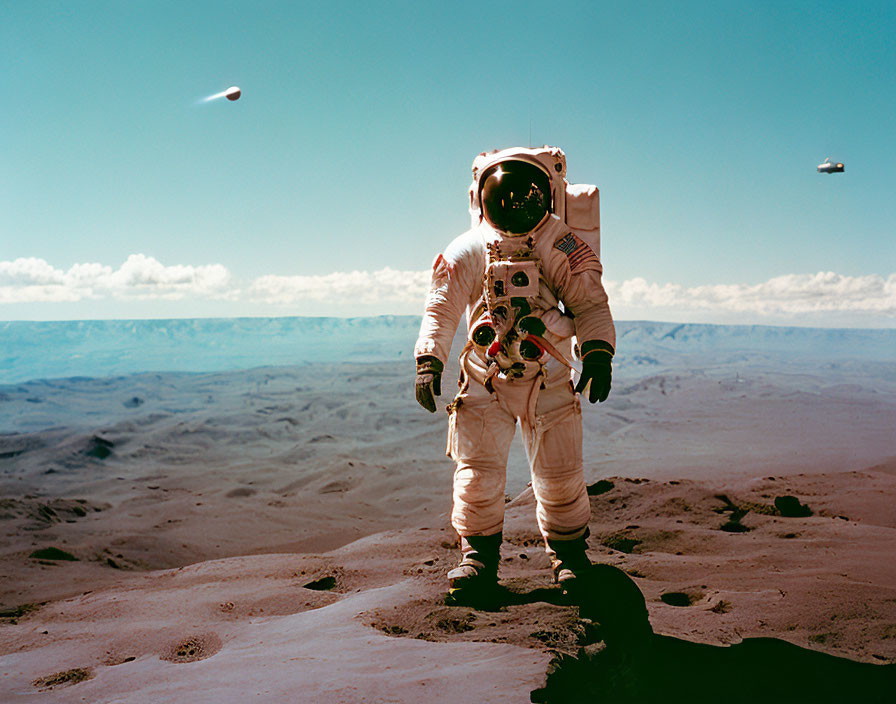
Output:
(528, 276)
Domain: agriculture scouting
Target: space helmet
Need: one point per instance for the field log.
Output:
(515, 196)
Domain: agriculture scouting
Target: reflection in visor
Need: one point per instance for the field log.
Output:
(515, 196)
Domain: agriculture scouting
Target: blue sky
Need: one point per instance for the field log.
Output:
(330, 186)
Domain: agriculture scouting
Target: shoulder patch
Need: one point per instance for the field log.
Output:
(578, 253)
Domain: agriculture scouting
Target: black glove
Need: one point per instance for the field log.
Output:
(428, 382)
(597, 367)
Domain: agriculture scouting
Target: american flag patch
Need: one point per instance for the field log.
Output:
(580, 255)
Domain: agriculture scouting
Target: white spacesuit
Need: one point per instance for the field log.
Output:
(528, 276)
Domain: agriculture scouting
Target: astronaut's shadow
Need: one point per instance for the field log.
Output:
(503, 597)
(636, 665)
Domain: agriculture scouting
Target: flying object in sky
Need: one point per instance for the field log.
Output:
(829, 167)
(232, 93)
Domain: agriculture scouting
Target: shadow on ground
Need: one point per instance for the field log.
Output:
(627, 662)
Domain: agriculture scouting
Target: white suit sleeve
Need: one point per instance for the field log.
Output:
(453, 279)
(586, 299)
(580, 288)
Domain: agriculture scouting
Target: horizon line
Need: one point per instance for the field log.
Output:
(419, 316)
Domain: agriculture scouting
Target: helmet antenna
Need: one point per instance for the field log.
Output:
(530, 123)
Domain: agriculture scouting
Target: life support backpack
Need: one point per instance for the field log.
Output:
(583, 213)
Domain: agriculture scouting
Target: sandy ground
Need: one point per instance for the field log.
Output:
(285, 530)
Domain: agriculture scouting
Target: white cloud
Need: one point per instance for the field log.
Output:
(34, 280)
(825, 298)
(791, 294)
(366, 287)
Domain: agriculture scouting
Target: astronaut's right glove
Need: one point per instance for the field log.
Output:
(597, 368)
(429, 381)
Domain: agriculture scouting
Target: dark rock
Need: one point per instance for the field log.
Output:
(99, 448)
(735, 527)
(601, 487)
(53, 554)
(321, 585)
(675, 599)
(791, 507)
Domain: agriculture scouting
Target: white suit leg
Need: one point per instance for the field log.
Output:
(480, 431)
(554, 446)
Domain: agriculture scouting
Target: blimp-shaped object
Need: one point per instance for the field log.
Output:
(232, 93)
(830, 167)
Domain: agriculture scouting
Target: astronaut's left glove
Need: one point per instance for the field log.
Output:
(429, 381)
(597, 368)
